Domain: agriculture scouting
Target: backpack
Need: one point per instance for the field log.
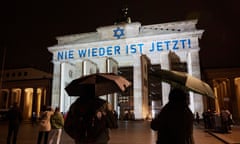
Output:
(81, 122)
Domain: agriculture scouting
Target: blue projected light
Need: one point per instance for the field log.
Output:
(139, 47)
(118, 33)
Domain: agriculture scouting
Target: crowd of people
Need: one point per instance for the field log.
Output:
(220, 122)
(52, 122)
(50, 126)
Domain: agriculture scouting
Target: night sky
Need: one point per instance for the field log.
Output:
(28, 28)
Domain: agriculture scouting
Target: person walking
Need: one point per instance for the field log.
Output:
(57, 123)
(44, 124)
(174, 123)
(14, 116)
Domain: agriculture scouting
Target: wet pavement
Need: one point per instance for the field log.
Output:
(129, 132)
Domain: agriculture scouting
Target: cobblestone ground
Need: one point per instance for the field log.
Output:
(137, 132)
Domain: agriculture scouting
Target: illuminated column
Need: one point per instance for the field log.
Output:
(196, 100)
(22, 98)
(137, 89)
(217, 107)
(9, 102)
(34, 100)
(68, 73)
(165, 87)
(226, 97)
(221, 89)
(111, 66)
(219, 95)
(56, 88)
(236, 97)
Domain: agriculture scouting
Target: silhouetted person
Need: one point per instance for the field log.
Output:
(15, 117)
(174, 123)
(197, 118)
(225, 114)
(88, 121)
(34, 118)
(207, 117)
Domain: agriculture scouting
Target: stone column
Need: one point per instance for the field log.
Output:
(34, 100)
(10, 98)
(234, 100)
(137, 88)
(56, 88)
(21, 103)
(164, 61)
(68, 72)
(196, 100)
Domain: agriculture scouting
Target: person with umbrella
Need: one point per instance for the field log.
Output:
(174, 123)
(89, 118)
(88, 121)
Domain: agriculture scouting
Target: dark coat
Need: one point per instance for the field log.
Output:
(83, 124)
(174, 123)
(14, 116)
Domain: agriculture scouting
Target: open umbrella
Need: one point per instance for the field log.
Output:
(97, 84)
(185, 81)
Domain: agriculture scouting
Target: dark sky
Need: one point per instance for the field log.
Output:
(29, 27)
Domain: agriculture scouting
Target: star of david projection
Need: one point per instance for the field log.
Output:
(118, 33)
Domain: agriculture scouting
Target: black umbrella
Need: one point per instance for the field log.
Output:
(97, 84)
